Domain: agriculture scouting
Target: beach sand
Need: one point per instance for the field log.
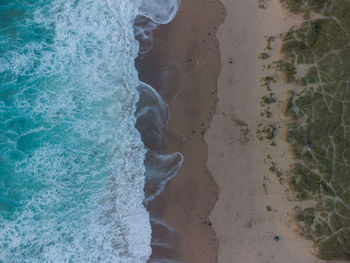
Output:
(190, 196)
(195, 46)
(237, 159)
(184, 66)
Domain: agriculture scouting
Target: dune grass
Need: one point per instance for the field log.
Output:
(321, 119)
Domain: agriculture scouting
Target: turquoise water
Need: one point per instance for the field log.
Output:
(71, 163)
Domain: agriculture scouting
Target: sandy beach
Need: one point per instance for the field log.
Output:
(215, 104)
(191, 195)
(186, 56)
(237, 159)
(128, 140)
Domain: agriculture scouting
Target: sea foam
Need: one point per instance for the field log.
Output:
(72, 172)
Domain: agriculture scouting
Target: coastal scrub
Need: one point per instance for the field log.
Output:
(317, 56)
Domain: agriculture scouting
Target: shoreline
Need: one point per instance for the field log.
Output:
(191, 195)
(186, 52)
(211, 60)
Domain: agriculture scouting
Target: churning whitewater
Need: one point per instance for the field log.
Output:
(72, 171)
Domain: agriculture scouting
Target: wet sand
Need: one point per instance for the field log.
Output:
(185, 58)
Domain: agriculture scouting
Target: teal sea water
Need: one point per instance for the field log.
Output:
(72, 162)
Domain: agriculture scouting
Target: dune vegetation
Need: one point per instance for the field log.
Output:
(316, 58)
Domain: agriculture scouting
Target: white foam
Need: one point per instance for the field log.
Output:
(160, 11)
(84, 93)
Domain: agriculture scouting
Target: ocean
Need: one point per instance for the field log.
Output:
(72, 163)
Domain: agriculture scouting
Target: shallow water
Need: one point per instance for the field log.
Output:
(72, 171)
